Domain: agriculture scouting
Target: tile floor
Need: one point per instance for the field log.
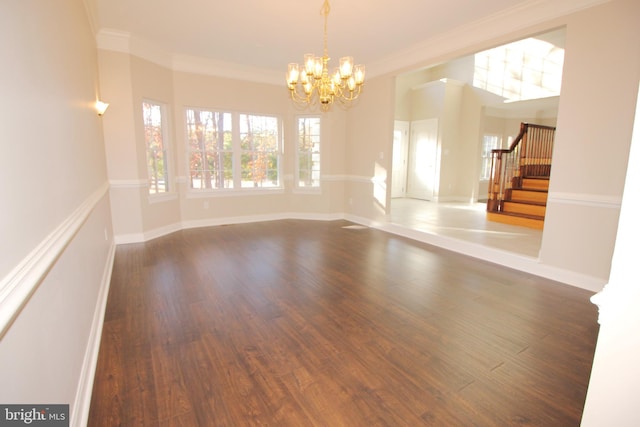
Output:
(465, 222)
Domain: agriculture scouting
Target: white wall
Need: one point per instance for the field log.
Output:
(369, 148)
(55, 218)
(595, 120)
(56, 214)
(458, 110)
(594, 123)
(127, 79)
(572, 251)
(590, 113)
(427, 92)
(612, 398)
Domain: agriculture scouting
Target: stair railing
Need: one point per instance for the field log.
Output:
(529, 155)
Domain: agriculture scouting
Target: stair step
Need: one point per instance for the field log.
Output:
(536, 209)
(530, 221)
(523, 195)
(536, 183)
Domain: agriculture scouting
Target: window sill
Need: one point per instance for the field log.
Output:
(199, 194)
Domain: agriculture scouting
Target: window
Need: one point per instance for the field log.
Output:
(526, 69)
(232, 150)
(489, 142)
(156, 148)
(210, 149)
(308, 149)
(260, 151)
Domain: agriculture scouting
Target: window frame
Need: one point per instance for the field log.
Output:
(214, 153)
(521, 70)
(166, 154)
(236, 151)
(298, 153)
(485, 156)
(252, 152)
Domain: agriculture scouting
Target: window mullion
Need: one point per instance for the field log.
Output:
(237, 150)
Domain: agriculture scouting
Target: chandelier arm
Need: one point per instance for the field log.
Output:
(299, 97)
(345, 96)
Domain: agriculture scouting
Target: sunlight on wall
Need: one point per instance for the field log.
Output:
(526, 69)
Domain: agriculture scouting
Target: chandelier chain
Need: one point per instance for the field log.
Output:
(324, 11)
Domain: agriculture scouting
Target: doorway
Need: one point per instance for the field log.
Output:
(444, 166)
(400, 156)
(423, 156)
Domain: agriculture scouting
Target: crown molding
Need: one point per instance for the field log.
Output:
(541, 108)
(207, 66)
(125, 42)
(508, 21)
(113, 40)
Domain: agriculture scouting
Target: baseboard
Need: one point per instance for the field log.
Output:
(530, 265)
(259, 218)
(507, 259)
(124, 239)
(162, 231)
(80, 409)
(213, 222)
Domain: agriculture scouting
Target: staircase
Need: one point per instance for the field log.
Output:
(519, 183)
(525, 206)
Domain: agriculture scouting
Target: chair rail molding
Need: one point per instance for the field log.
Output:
(17, 287)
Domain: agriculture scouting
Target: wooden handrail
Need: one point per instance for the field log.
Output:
(529, 155)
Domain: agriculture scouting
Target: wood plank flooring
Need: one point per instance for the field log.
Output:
(305, 323)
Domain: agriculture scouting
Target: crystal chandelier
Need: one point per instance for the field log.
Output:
(310, 83)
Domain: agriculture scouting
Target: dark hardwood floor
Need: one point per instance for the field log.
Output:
(304, 323)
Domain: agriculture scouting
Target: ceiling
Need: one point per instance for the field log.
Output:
(270, 34)
(258, 38)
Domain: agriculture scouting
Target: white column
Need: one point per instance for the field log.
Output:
(613, 398)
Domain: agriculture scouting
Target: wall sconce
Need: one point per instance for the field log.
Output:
(101, 107)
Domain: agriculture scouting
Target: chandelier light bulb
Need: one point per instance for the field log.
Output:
(293, 74)
(336, 77)
(358, 74)
(304, 78)
(317, 70)
(309, 63)
(308, 88)
(346, 67)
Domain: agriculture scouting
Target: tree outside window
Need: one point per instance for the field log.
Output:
(209, 140)
(232, 150)
(260, 149)
(156, 149)
(308, 149)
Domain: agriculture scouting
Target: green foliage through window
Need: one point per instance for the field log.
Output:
(218, 159)
(308, 149)
(209, 141)
(155, 147)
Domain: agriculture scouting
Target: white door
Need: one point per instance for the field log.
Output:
(423, 153)
(399, 162)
